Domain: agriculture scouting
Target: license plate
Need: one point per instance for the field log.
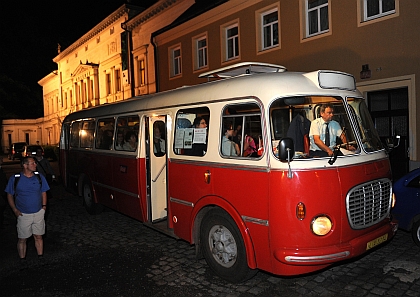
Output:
(376, 241)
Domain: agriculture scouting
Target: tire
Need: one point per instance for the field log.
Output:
(223, 247)
(415, 232)
(88, 198)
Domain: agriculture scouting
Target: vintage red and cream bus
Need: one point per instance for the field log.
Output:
(226, 165)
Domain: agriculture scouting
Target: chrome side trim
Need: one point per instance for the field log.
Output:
(116, 189)
(183, 202)
(254, 168)
(255, 220)
(315, 259)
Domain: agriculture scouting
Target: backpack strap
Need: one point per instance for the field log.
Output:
(17, 178)
(39, 177)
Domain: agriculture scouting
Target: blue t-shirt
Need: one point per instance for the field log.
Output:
(28, 192)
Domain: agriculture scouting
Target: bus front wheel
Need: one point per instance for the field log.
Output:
(223, 247)
(91, 206)
(415, 232)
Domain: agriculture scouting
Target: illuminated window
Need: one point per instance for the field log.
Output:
(191, 130)
(241, 131)
(117, 80)
(108, 83)
(142, 72)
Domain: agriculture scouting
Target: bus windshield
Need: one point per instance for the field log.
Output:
(305, 118)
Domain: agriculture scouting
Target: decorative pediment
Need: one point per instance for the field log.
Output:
(84, 70)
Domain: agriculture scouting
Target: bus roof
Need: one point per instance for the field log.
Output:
(243, 68)
(266, 86)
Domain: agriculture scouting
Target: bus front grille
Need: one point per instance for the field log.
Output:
(369, 203)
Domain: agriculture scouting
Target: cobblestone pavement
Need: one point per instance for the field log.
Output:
(113, 255)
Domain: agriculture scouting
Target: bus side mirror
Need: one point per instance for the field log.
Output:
(286, 149)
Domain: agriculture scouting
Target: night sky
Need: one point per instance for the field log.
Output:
(31, 30)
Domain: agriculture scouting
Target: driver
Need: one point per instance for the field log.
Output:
(323, 133)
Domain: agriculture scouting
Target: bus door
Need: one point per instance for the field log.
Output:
(157, 149)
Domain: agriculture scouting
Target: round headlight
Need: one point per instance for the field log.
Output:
(321, 225)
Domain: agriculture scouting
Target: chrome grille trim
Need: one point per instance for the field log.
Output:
(369, 203)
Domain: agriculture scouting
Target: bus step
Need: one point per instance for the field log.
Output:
(162, 228)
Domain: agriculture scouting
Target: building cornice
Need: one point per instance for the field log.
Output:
(108, 21)
(49, 77)
(148, 14)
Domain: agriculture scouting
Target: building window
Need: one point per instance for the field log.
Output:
(377, 8)
(270, 29)
(317, 17)
(200, 50)
(142, 72)
(175, 54)
(108, 83)
(64, 101)
(232, 42)
(117, 80)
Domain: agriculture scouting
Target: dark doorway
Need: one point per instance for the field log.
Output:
(389, 110)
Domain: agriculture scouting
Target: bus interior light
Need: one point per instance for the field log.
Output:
(321, 225)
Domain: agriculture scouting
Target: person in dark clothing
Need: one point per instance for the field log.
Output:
(3, 199)
(299, 127)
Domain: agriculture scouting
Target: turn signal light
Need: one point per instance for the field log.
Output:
(394, 200)
(300, 211)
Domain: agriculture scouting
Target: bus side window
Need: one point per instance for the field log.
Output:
(126, 137)
(86, 137)
(74, 136)
(104, 134)
(241, 131)
(159, 139)
(191, 130)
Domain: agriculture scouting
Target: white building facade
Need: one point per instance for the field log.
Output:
(112, 62)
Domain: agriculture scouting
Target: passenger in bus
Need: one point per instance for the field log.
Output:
(131, 141)
(159, 144)
(323, 133)
(229, 148)
(237, 135)
(198, 149)
(250, 149)
(106, 142)
(119, 144)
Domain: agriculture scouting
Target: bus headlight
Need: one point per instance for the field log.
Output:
(321, 225)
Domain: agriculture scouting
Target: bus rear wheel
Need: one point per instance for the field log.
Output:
(91, 206)
(223, 247)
